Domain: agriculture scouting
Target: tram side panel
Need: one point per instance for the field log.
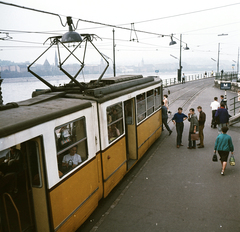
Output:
(113, 144)
(149, 118)
(148, 132)
(75, 196)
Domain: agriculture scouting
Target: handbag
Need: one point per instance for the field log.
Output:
(195, 136)
(232, 160)
(214, 158)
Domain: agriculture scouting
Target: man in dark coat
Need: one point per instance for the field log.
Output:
(201, 122)
(222, 117)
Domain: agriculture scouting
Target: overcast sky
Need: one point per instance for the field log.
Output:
(199, 22)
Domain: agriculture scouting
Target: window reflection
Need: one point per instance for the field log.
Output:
(114, 121)
(71, 142)
(150, 102)
(141, 107)
(157, 98)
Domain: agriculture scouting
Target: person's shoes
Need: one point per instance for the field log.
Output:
(189, 148)
(178, 146)
(181, 144)
(170, 132)
(222, 173)
(193, 147)
(201, 146)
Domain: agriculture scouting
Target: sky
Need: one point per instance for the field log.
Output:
(207, 27)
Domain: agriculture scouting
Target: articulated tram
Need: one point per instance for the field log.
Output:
(110, 127)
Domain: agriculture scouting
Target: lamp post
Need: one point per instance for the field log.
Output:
(238, 64)
(218, 58)
(114, 64)
(219, 51)
(180, 58)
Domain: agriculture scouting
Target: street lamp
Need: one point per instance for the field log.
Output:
(180, 58)
(219, 51)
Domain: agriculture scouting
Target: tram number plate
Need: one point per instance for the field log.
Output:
(225, 86)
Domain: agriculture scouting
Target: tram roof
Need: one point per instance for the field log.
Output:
(49, 105)
(38, 110)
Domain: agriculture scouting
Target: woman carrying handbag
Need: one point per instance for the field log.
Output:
(224, 145)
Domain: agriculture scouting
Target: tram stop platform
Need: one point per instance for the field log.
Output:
(176, 189)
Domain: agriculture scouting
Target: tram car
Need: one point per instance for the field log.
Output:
(65, 149)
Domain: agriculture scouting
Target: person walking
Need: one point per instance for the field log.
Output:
(178, 119)
(224, 101)
(192, 118)
(214, 105)
(183, 78)
(165, 100)
(165, 118)
(222, 117)
(201, 122)
(224, 145)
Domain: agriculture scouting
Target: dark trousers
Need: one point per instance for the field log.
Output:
(214, 123)
(179, 128)
(164, 121)
(191, 143)
(201, 136)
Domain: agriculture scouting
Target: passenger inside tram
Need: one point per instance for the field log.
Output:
(72, 159)
(9, 169)
(113, 132)
(8, 182)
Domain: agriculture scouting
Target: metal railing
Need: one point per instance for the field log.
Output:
(235, 104)
(173, 81)
(226, 76)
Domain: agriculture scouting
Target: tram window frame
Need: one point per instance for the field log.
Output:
(141, 104)
(36, 179)
(74, 142)
(150, 102)
(157, 103)
(115, 123)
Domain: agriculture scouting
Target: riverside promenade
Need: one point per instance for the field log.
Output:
(177, 189)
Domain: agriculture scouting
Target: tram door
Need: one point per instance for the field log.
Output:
(131, 133)
(36, 168)
(25, 207)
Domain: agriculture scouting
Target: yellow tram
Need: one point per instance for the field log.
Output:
(107, 128)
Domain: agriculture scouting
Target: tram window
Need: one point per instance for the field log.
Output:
(71, 143)
(157, 98)
(70, 133)
(141, 107)
(114, 121)
(150, 102)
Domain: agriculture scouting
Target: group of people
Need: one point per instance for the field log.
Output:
(220, 115)
(220, 119)
(196, 125)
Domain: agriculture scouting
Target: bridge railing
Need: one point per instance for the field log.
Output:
(193, 77)
(226, 76)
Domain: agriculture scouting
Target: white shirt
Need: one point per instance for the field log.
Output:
(215, 105)
(76, 159)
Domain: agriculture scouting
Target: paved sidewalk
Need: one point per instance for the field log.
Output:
(181, 190)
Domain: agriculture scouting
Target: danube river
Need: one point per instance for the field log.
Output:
(19, 89)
